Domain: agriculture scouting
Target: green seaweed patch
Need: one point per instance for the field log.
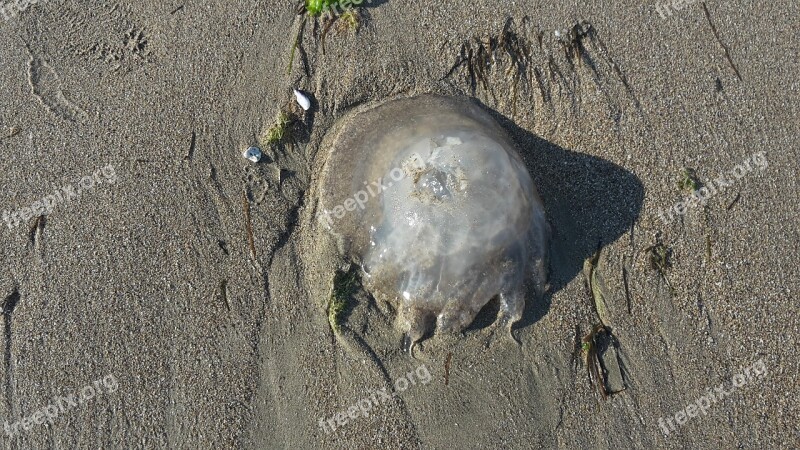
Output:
(596, 286)
(280, 131)
(688, 180)
(350, 20)
(344, 286)
(660, 258)
(317, 7)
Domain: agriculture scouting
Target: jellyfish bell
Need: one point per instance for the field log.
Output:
(430, 196)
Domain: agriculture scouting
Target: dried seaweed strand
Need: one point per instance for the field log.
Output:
(447, 368)
(246, 206)
(724, 47)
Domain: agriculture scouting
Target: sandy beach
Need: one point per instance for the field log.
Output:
(159, 290)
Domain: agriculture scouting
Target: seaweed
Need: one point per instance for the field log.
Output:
(688, 180)
(590, 345)
(281, 129)
(344, 286)
(332, 10)
(659, 258)
(595, 285)
(350, 20)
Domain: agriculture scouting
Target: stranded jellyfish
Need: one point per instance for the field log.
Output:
(430, 197)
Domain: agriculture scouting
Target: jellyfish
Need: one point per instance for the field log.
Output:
(430, 197)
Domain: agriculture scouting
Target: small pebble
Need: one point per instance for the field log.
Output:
(302, 100)
(253, 154)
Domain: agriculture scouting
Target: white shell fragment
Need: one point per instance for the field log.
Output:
(302, 100)
(253, 154)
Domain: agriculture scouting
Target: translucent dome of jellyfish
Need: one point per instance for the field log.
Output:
(431, 198)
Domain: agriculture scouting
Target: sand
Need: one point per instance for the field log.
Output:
(144, 297)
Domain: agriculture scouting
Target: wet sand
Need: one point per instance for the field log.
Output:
(198, 282)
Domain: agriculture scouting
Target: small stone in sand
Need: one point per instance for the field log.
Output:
(253, 154)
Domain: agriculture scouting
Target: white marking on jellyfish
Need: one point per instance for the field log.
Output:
(302, 100)
(434, 155)
(406, 295)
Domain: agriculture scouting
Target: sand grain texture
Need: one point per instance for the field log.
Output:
(151, 278)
